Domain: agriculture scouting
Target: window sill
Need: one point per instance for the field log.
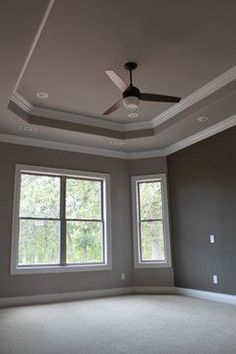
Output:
(153, 265)
(59, 269)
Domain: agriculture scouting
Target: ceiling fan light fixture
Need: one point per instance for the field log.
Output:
(131, 102)
(133, 115)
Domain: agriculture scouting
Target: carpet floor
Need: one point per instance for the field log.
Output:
(139, 324)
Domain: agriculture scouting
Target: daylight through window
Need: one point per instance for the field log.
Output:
(61, 219)
(151, 229)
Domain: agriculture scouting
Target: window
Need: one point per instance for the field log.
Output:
(61, 221)
(150, 221)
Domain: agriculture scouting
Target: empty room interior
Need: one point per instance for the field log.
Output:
(118, 177)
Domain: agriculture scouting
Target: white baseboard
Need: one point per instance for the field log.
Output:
(62, 297)
(207, 295)
(80, 295)
(200, 294)
(165, 290)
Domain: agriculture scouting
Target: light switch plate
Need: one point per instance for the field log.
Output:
(215, 279)
(122, 276)
(212, 239)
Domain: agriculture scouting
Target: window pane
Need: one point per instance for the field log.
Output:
(84, 242)
(150, 200)
(39, 196)
(39, 242)
(152, 241)
(83, 199)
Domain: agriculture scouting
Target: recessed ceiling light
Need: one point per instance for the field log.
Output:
(133, 115)
(115, 142)
(202, 119)
(42, 95)
(27, 128)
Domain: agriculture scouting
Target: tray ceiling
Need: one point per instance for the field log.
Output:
(180, 47)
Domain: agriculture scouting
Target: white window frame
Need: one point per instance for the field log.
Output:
(138, 263)
(107, 265)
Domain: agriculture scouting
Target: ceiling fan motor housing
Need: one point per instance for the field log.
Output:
(131, 97)
(131, 91)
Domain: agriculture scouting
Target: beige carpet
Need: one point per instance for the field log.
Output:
(126, 324)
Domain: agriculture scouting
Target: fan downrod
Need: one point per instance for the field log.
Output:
(131, 65)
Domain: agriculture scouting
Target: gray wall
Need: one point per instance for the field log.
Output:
(158, 276)
(15, 285)
(203, 202)
(122, 251)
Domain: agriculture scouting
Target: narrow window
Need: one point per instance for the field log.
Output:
(150, 221)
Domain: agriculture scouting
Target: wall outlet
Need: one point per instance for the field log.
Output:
(212, 238)
(122, 276)
(215, 279)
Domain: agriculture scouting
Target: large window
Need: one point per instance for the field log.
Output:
(150, 221)
(61, 221)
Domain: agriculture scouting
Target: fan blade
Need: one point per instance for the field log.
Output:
(113, 108)
(158, 98)
(117, 80)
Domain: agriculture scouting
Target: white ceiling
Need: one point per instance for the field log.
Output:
(179, 47)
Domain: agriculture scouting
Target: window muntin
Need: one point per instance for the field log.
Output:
(151, 224)
(61, 220)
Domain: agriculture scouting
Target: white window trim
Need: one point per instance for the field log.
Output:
(167, 263)
(15, 268)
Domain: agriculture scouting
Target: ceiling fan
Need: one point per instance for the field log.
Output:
(131, 94)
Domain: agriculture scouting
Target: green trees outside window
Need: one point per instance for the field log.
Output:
(151, 221)
(57, 208)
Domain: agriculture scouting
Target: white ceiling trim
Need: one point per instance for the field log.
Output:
(206, 133)
(77, 118)
(23, 140)
(195, 138)
(138, 125)
(34, 43)
(21, 102)
(74, 117)
(206, 90)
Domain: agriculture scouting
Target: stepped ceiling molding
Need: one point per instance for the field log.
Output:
(56, 51)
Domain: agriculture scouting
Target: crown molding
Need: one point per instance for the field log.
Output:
(146, 154)
(138, 125)
(212, 86)
(204, 134)
(76, 118)
(21, 102)
(205, 91)
(23, 140)
(73, 125)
